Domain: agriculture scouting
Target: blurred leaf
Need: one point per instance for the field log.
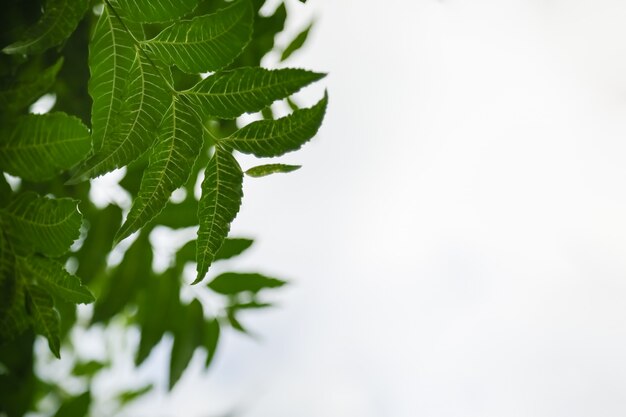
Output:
(187, 337)
(75, 406)
(269, 169)
(296, 43)
(233, 283)
(89, 368)
(211, 335)
(128, 396)
(22, 90)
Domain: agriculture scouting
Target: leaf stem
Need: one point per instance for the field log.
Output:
(138, 44)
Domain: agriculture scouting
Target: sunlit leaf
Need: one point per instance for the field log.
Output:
(155, 10)
(269, 169)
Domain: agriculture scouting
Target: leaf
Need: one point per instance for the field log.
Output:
(132, 130)
(89, 368)
(205, 43)
(37, 147)
(17, 93)
(151, 11)
(218, 207)
(13, 319)
(128, 396)
(45, 318)
(269, 169)
(210, 338)
(43, 224)
(233, 247)
(59, 19)
(233, 283)
(171, 162)
(77, 406)
(229, 94)
(187, 338)
(296, 43)
(52, 276)
(266, 138)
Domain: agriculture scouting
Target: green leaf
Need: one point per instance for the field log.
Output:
(75, 406)
(132, 130)
(269, 169)
(232, 247)
(205, 43)
(17, 93)
(13, 319)
(233, 283)
(229, 94)
(128, 396)
(171, 162)
(37, 147)
(42, 224)
(59, 19)
(156, 10)
(210, 338)
(52, 276)
(89, 368)
(266, 138)
(45, 318)
(296, 43)
(187, 338)
(218, 207)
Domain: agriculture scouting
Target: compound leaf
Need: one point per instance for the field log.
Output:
(205, 43)
(171, 162)
(37, 146)
(52, 276)
(229, 94)
(156, 10)
(218, 207)
(42, 224)
(59, 19)
(266, 138)
(230, 283)
(269, 169)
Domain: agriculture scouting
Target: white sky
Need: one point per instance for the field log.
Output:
(456, 238)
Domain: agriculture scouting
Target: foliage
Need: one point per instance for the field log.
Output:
(156, 88)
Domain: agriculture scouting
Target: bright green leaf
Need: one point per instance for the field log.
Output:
(171, 161)
(52, 276)
(42, 224)
(229, 94)
(59, 19)
(45, 318)
(266, 138)
(15, 94)
(155, 10)
(233, 283)
(37, 147)
(205, 43)
(269, 169)
(296, 43)
(218, 207)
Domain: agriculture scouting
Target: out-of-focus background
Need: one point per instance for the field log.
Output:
(456, 239)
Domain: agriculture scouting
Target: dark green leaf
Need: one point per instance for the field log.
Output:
(234, 283)
(89, 368)
(75, 406)
(269, 169)
(128, 396)
(187, 338)
(37, 147)
(211, 336)
(15, 94)
(218, 207)
(205, 43)
(229, 94)
(296, 43)
(42, 224)
(44, 317)
(59, 19)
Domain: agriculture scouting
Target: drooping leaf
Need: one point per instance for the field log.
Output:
(42, 224)
(77, 406)
(219, 204)
(53, 277)
(211, 336)
(205, 43)
(44, 317)
(37, 147)
(229, 94)
(269, 169)
(171, 161)
(132, 131)
(156, 10)
(233, 283)
(15, 94)
(58, 21)
(187, 337)
(266, 138)
(296, 43)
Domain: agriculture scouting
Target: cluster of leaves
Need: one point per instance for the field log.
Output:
(167, 81)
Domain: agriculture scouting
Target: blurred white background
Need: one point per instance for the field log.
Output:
(456, 239)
